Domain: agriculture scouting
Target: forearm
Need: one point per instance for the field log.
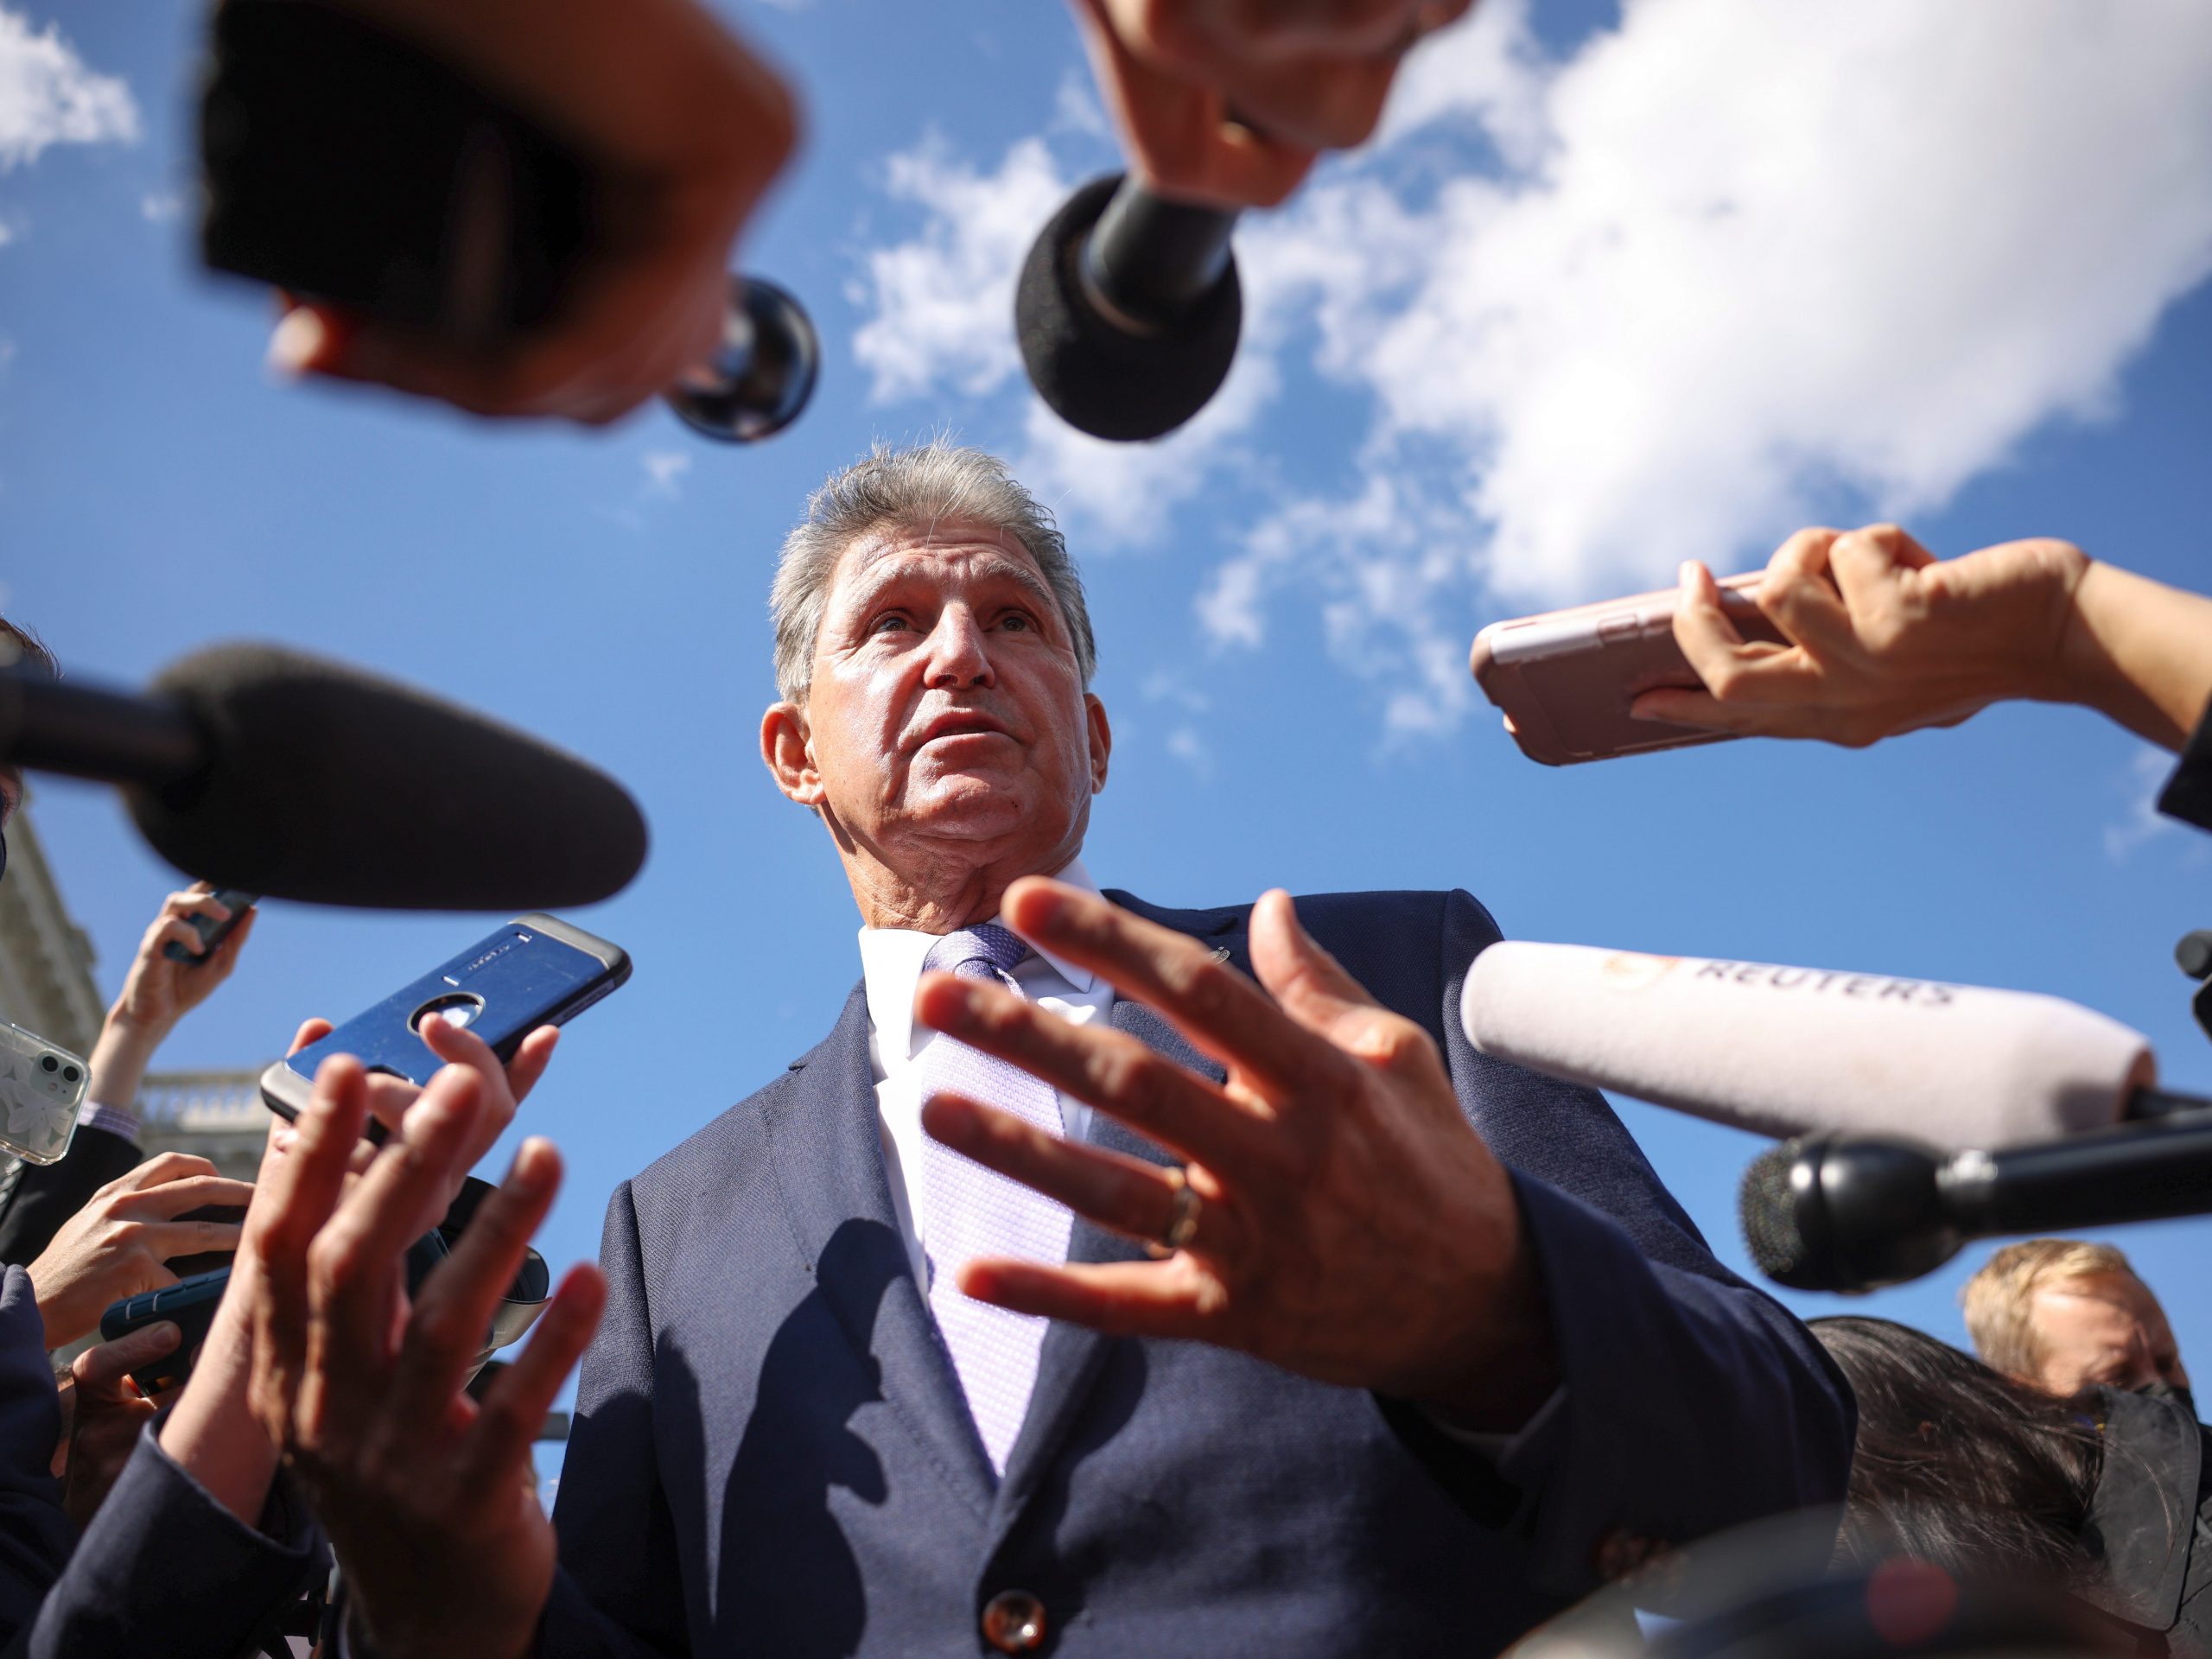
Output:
(2138, 652)
(211, 1432)
(119, 1060)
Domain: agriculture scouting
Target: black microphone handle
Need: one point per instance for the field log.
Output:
(117, 737)
(1150, 260)
(2150, 1170)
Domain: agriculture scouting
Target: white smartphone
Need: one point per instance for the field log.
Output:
(1564, 680)
(41, 1086)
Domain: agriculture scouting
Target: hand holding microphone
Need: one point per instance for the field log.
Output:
(544, 234)
(1129, 308)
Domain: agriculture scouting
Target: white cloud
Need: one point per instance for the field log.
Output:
(47, 95)
(665, 470)
(1188, 746)
(159, 207)
(942, 302)
(1724, 270)
(2142, 822)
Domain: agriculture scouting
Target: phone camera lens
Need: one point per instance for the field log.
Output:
(70, 1074)
(48, 1063)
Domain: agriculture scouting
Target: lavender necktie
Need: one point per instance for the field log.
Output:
(973, 1211)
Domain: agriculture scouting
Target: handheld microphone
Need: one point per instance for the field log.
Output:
(1855, 1214)
(256, 767)
(1793, 1050)
(1128, 309)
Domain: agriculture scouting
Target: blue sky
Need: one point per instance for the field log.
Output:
(1609, 291)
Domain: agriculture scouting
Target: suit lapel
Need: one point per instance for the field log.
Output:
(828, 1155)
(1072, 1354)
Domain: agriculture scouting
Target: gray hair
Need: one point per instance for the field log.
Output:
(910, 489)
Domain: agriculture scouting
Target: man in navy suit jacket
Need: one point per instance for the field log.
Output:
(1358, 1343)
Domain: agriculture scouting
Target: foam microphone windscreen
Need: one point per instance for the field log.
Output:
(1794, 1050)
(1099, 377)
(330, 785)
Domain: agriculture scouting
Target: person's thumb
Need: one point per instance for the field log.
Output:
(99, 1371)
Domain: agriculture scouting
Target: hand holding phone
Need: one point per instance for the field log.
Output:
(211, 927)
(535, 971)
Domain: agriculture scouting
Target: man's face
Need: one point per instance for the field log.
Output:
(946, 707)
(2102, 1330)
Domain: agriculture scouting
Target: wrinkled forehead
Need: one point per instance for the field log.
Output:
(949, 554)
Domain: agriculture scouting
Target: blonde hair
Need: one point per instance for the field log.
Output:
(2000, 1299)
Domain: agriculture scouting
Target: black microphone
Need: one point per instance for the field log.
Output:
(1128, 309)
(1855, 1213)
(258, 767)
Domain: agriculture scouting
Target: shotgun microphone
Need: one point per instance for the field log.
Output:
(1128, 309)
(1839, 1213)
(1795, 1050)
(256, 767)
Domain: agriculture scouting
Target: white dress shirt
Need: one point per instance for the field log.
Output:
(891, 960)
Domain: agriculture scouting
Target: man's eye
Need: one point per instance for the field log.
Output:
(1016, 621)
(887, 625)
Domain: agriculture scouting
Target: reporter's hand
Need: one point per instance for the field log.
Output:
(1228, 101)
(419, 1487)
(1350, 1226)
(121, 1242)
(106, 1413)
(1884, 637)
(503, 1088)
(684, 131)
(158, 992)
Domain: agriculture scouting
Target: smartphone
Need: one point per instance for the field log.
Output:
(211, 932)
(190, 1303)
(1564, 680)
(41, 1086)
(536, 971)
(343, 163)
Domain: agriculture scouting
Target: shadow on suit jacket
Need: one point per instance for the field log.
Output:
(771, 1453)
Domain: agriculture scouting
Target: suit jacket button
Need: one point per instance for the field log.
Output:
(1014, 1622)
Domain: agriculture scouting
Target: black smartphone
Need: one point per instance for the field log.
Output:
(536, 971)
(344, 163)
(211, 932)
(190, 1303)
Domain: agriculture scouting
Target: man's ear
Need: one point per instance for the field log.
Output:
(787, 750)
(1102, 738)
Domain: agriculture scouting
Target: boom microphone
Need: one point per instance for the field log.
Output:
(1792, 1050)
(258, 767)
(1831, 1213)
(1128, 309)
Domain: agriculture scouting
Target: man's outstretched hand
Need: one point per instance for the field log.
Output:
(1351, 1226)
(421, 1488)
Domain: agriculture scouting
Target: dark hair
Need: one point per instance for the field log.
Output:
(1957, 1465)
(19, 644)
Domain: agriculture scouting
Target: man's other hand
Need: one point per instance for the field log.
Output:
(420, 1488)
(684, 130)
(121, 1242)
(1350, 1225)
(1228, 102)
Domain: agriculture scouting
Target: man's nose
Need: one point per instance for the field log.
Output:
(959, 655)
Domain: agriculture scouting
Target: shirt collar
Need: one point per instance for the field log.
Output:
(891, 964)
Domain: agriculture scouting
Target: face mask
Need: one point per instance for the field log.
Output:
(2160, 1388)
